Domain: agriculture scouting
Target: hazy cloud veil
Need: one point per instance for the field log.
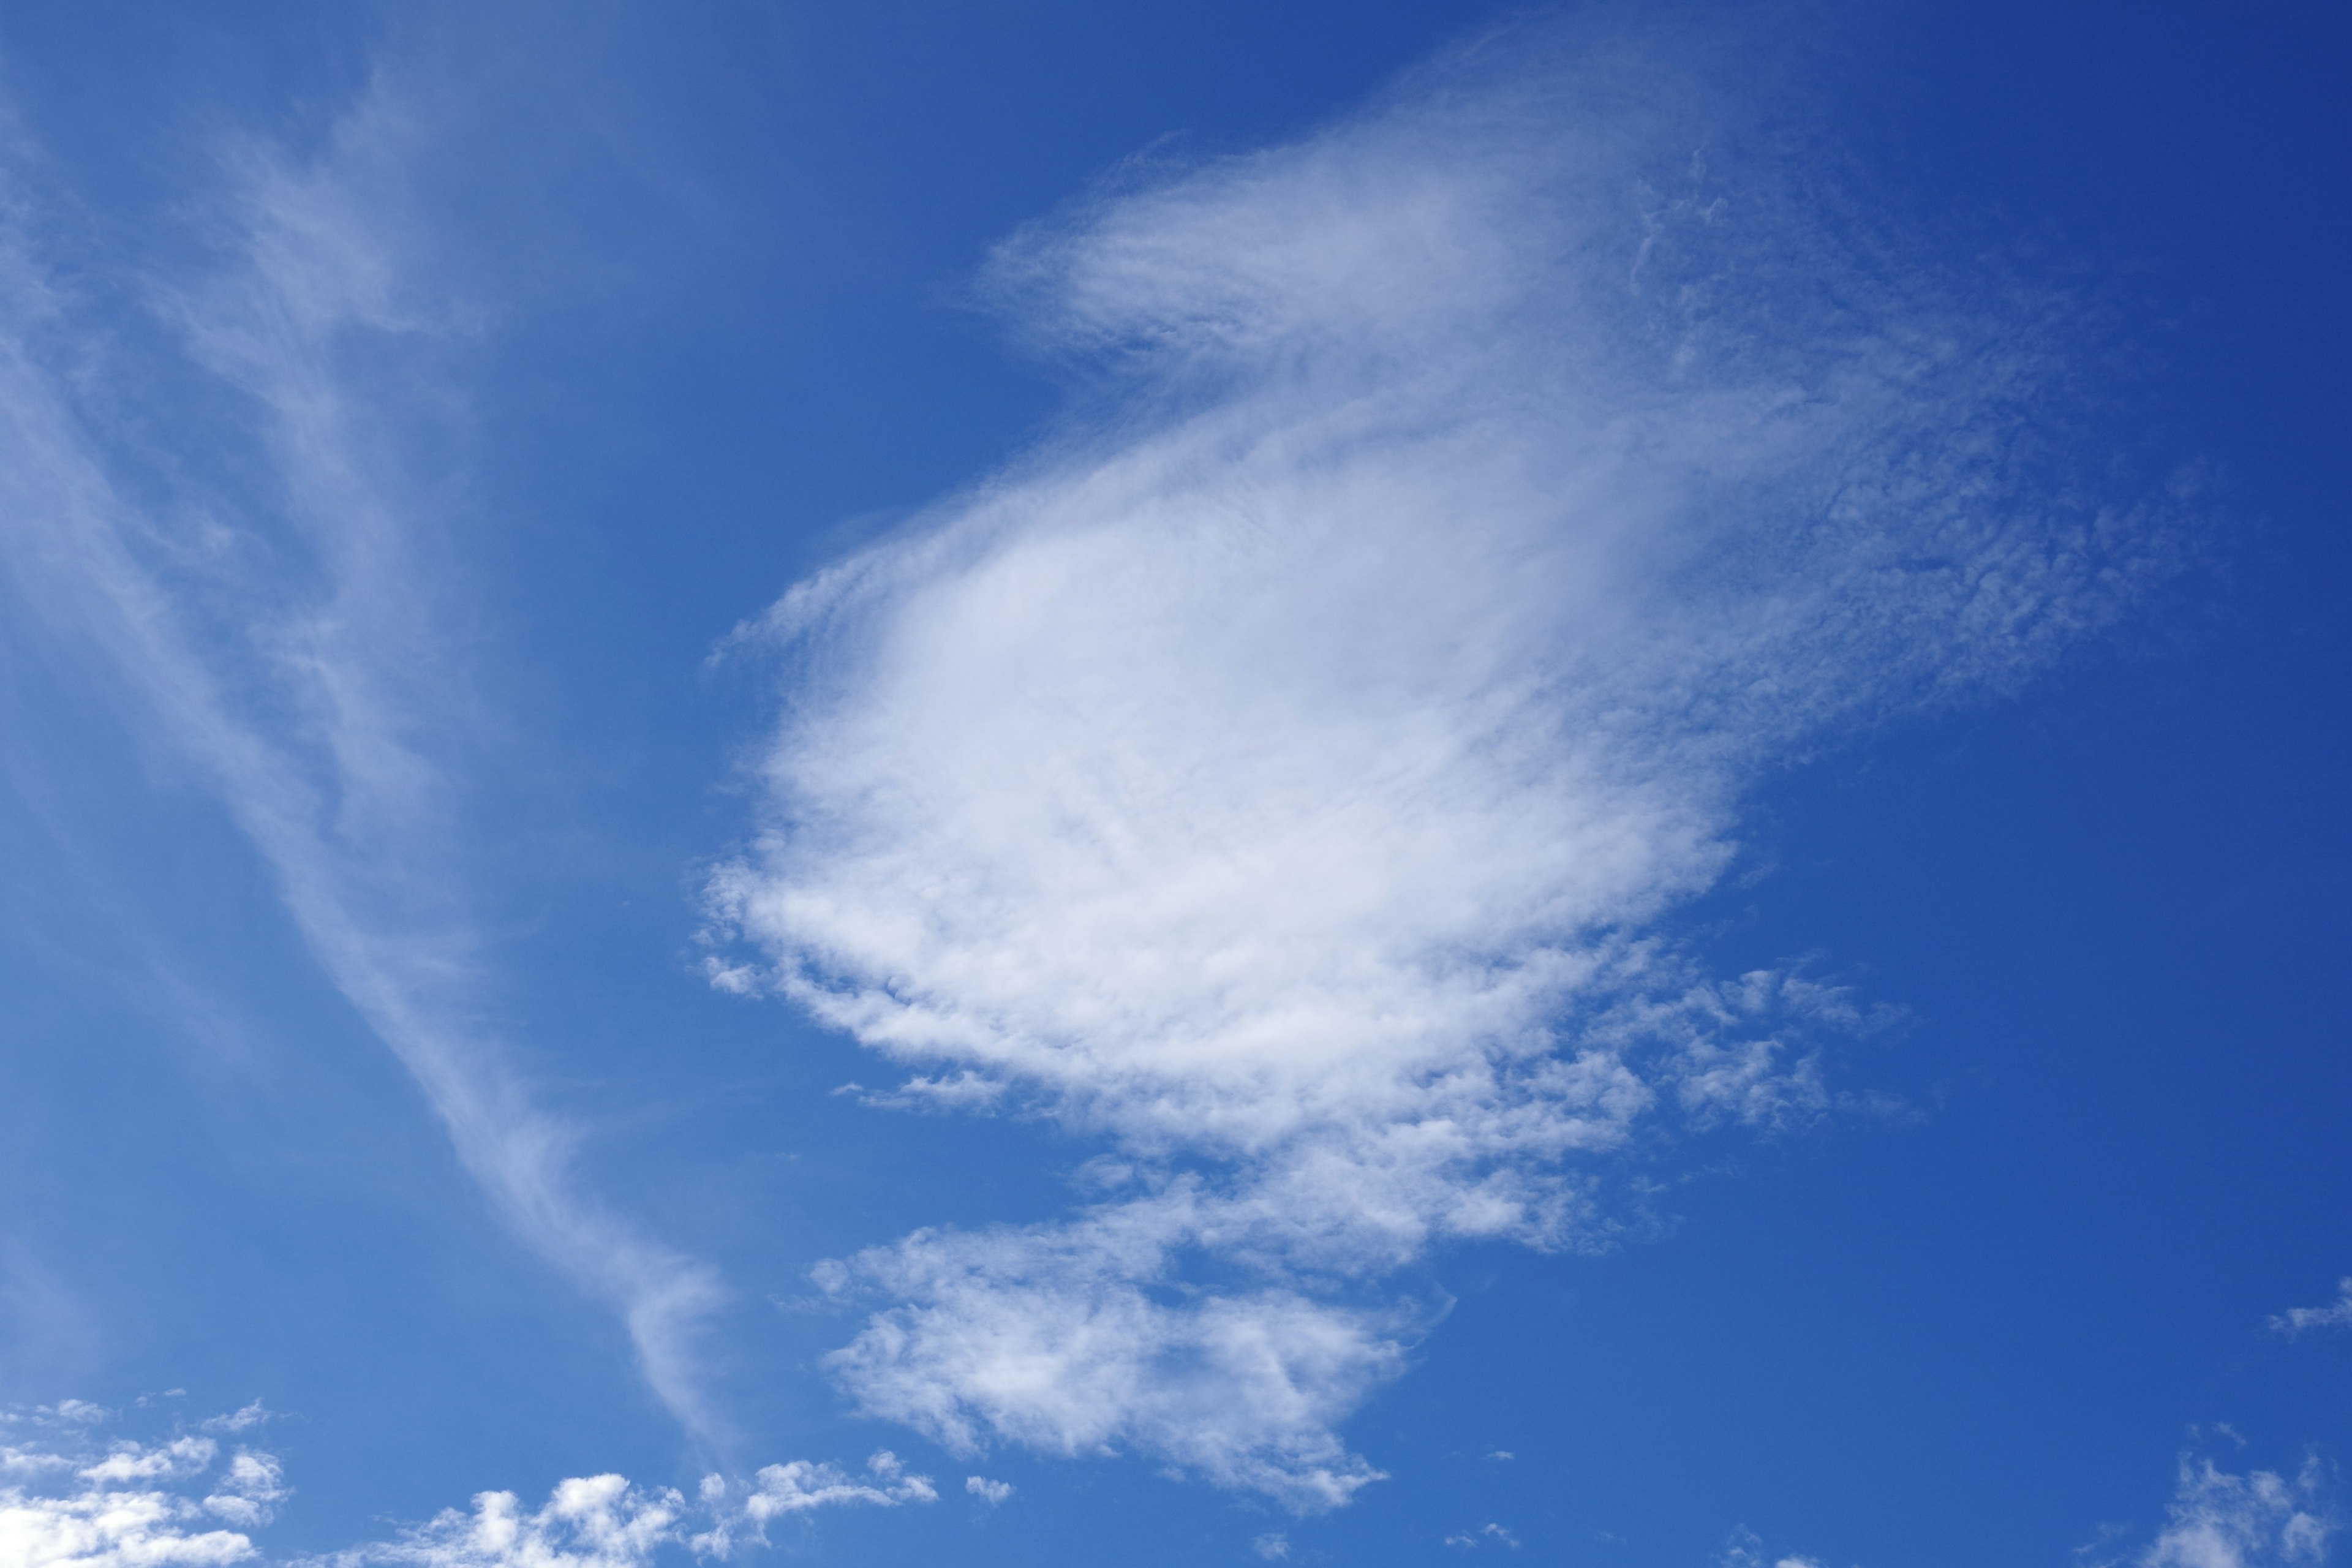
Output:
(1281, 775)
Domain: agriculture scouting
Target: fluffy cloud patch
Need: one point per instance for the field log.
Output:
(590, 1521)
(1283, 776)
(68, 1500)
(603, 1522)
(2259, 1519)
(69, 1504)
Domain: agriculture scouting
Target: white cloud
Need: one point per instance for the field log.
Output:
(800, 1486)
(69, 1504)
(603, 1522)
(1055, 1338)
(1486, 1534)
(242, 1419)
(174, 1460)
(2259, 1519)
(2336, 1315)
(589, 1521)
(68, 1500)
(992, 1493)
(743, 1514)
(1746, 1550)
(1282, 776)
(1273, 1546)
(293, 639)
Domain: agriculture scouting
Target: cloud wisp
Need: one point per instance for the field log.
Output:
(1284, 774)
(293, 639)
(2336, 1315)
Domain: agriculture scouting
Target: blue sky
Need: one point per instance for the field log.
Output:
(1043, 783)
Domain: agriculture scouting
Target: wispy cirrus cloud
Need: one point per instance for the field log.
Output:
(2336, 1315)
(1287, 774)
(283, 622)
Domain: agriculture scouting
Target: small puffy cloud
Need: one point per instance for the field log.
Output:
(799, 1488)
(254, 1485)
(164, 1461)
(2259, 1519)
(1746, 1550)
(2336, 1315)
(72, 1501)
(1051, 1336)
(603, 1522)
(803, 1485)
(988, 1492)
(1273, 1546)
(69, 1503)
(589, 1521)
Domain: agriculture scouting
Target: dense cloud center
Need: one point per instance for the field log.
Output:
(1286, 772)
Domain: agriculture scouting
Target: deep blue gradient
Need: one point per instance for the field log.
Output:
(725, 255)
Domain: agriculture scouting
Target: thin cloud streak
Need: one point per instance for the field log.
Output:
(308, 677)
(1285, 776)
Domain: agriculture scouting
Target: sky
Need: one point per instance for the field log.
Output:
(1040, 783)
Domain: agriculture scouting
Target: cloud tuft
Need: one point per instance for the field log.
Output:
(2337, 1314)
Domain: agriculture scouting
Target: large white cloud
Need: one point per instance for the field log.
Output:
(1282, 773)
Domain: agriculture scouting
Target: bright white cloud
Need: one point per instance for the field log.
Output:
(988, 1492)
(68, 1502)
(1282, 776)
(2337, 1314)
(589, 1521)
